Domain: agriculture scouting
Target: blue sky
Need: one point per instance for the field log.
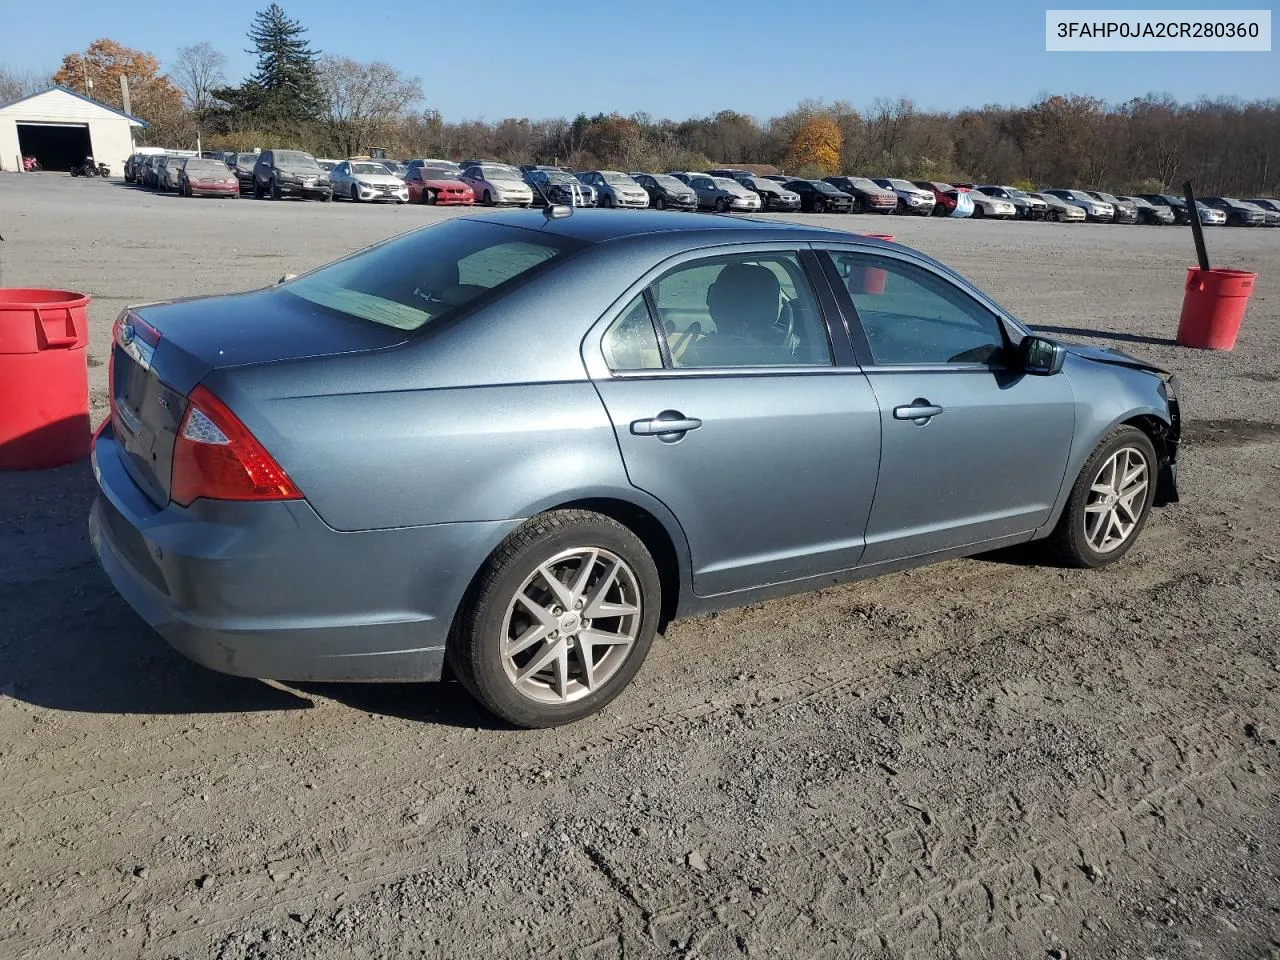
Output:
(747, 55)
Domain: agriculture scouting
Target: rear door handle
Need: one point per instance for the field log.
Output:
(918, 411)
(668, 424)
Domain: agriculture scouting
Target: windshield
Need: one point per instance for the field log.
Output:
(669, 183)
(413, 280)
(437, 173)
(499, 173)
(862, 183)
(904, 185)
(295, 160)
(246, 159)
(1015, 192)
(369, 169)
(327, 165)
(555, 176)
(724, 183)
(618, 179)
(206, 166)
(824, 186)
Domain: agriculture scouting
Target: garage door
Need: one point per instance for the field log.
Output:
(58, 146)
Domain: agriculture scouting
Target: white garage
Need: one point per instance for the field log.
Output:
(59, 127)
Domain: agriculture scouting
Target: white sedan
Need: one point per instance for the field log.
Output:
(494, 183)
(366, 180)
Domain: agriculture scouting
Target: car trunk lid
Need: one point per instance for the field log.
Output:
(161, 352)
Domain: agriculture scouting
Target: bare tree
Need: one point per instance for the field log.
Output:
(16, 84)
(363, 101)
(198, 71)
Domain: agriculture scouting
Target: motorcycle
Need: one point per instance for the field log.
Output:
(31, 164)
(91, 168)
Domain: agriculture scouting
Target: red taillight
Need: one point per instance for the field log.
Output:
(216, 456)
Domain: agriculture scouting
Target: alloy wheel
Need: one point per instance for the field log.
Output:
(571, 625)
(1117, 497)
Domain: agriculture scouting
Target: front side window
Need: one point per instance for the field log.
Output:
(417, 279)
(751, 310)
(912, 316)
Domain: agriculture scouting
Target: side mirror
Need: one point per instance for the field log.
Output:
(1041, 357)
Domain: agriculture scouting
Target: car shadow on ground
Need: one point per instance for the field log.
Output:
(67, 640)
(446, 703)
(1089, 334)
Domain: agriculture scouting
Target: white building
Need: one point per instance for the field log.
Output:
(60, 127)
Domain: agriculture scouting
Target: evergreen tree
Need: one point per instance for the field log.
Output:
(284, 85)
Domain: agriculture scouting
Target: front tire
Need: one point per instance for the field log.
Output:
(819, 205)
(559, 619)
(978, 212)
(428, 197)
(1110, 502)
(660, 203)
(275, 190)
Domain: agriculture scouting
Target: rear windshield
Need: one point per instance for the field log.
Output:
(413, 280)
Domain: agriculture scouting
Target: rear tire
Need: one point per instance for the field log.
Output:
(978, 212)
(660, 203)
(819, 205)
(1080, 538)
(722, 205)
(275, 190)
(511, 599)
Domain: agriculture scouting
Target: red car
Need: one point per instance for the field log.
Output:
(944, 195)
(438, 186)
(199, 177)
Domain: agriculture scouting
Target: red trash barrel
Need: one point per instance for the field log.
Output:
(44, 378)
(1213, 307)
(869, 280)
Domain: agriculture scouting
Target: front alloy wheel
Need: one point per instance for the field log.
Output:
(559, 620)
(1110, 502)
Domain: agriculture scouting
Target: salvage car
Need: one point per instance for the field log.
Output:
(1059, 211)
(666, 192)
(1149, 213)
(996, 208)
(1094, 209)
(497, 183)
(1029, 207)
(818, 196)
(773, 196)
(911, 199)
(368, 181)
(868, 196)
(551, 186)
(615, 189)
(167, 167)
(723, 195)
(207, 178)
(433, 164)
(437, 185)
(492, 443)
(948, 200)
(1124, 212)
(242, 167)
(290, 173)
(1237, 212)
(1270, 207)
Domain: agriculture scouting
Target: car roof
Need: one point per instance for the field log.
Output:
(600, 226)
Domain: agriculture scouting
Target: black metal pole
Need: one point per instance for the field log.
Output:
(1196, 230)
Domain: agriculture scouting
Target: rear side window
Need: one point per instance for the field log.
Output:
(631, 343)
(411, 281)
(914, 317)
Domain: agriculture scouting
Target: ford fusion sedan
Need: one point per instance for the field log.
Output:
(479, 444)
(367, 180)
(1237, 212)
(615, 189)
(497, 184)
(437, 185)
(818, 196)
(868, 196)
(1029, 207)
(666, 192)
(1095, 210)
(773, 196)
(1149, 213)
(1059, 211)
(911, 199)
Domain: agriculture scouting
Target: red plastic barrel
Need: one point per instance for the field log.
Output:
(869, 280)
(1213, 307)
(44, 378)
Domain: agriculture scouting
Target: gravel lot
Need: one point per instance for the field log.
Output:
(984, 758)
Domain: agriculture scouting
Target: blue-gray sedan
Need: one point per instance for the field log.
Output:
(521, 444)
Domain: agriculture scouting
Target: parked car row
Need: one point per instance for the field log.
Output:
(282, 173)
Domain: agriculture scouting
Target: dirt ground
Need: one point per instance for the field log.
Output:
(981, 759)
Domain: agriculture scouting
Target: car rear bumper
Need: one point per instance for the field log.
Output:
(268, 590)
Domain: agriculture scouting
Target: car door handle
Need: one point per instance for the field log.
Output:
(918, 411)
(665, 423)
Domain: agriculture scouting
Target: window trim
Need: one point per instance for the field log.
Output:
(592, 343)
(1010, 330)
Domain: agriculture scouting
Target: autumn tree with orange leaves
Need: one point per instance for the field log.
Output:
(97, 71)
(816, 147)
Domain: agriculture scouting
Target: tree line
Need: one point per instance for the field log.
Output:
(331, 105)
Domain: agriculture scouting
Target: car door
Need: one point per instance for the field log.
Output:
(730, 407)
(973, 451)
